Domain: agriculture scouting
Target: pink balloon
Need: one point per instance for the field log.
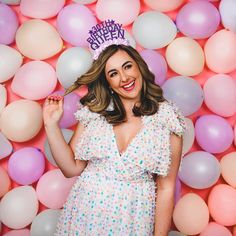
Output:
(156, 64)
(8, 24)
(53, 188)
(235, 135)
(18, 232)
(74, 22)
(34, 80)
(222, 204)
(216, 230)
(219, 58)
(41, 9)
(5, 182)
(26, 165)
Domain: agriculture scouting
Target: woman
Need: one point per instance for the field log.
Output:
(126, 150)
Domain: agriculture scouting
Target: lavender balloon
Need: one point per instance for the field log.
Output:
(200, 170)
(156, 64)
(213, 133)
(5, 146)
(178, 188)
(198, 19)
(8, 24)
(26, 165)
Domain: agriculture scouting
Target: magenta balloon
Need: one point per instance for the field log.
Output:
(74, 22)
(198, 19)
(25, 166)
(8, 24)
(156, 64)
(213, 133)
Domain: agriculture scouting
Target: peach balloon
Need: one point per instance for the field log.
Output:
(164, 5)
(3, 97)
(34, 80)
(220, 51)
(185, 56)
(21, 120)
(37, 39)
(191, 214)
(228, 167)
(5, 182)
(222, 204)
(214, 229)
(41, 9)
(234, 230)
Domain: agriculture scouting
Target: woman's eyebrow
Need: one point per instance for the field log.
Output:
(122, 66)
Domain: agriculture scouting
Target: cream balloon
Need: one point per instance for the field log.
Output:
(185, 56)
(3, 97)
(188, 137)
(19, 207)
(34, 80)
(164, 5)
(21, 120)
(10, 61)
(191, 214)
(37, 39)
(41, 9)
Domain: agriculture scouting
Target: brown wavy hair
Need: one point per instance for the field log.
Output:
(99, 95)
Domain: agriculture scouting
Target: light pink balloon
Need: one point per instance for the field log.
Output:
(41, 9)
(19, 232)
(122, 11)
(216, 230)
(53, 188)
(220, 51)
(34, 80)
(220, 95)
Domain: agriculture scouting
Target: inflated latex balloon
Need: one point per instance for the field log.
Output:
(185, 56)
(156, 64)
(9, 24)
(67, 134)
(228, 167)
(213, 133)
(26, 165)
(227, 10)
(191, 214)
(74, 22)
(71, 64)
(164, 5)
(38, 8)
(3, 97)
(11, 2)
(5, 146)
(199, 170)
(222, 204)
(38, 40)
(53, 188)
(185, 92)
(85, 1)
(178, 188)
(176, 233)
(130, 38)
(10, 61)
(5, 182)
(34, 80)
(153, 30)
(235, 135)
(21, 120)
(217, 100)
(198, 19)
(118, 10)
(18, 232)
(215, 229)
(221, 61)
(19, 207)
(188, 137)
(45, 223)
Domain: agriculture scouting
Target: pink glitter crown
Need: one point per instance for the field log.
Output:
(105, 34)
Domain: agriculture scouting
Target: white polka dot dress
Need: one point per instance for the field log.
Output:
(115, 194)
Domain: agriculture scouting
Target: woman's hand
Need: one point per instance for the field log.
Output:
(52, 109)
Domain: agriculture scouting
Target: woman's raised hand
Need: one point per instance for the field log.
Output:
(52, 109)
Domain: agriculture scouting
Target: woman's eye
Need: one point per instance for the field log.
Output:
(113, 74)
(128, 66)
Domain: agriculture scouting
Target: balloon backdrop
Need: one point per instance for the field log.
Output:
(5, 182)
(164, 5)
(3, 97)
(188, 137)
(216, 230)
(5, 146)
(18, 232)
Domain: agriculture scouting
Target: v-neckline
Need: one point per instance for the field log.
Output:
(114, 140)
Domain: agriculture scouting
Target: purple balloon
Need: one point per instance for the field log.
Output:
(8, 24)
(25, 166)
(178, 188)
(156, 64)
(74, 22)
(213, 133)
(198, 19)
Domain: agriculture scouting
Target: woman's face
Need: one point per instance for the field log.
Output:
(123, 75)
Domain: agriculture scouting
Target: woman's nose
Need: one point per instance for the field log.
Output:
(124, 76)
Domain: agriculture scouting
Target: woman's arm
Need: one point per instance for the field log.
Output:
(166, 189)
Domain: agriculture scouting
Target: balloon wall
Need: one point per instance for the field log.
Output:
(190, 48)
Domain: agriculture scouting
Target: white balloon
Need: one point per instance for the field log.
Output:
(71, 64)
(188, 137)
(3, 97)
(11, 2)
(154, 30)
(19, 207)
(85, 1)
(10, 61)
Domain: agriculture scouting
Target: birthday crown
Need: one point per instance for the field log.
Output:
(105, 34)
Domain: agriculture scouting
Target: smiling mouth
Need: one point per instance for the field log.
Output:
(129, 86)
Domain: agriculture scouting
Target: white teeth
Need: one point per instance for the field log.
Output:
(129, 85)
